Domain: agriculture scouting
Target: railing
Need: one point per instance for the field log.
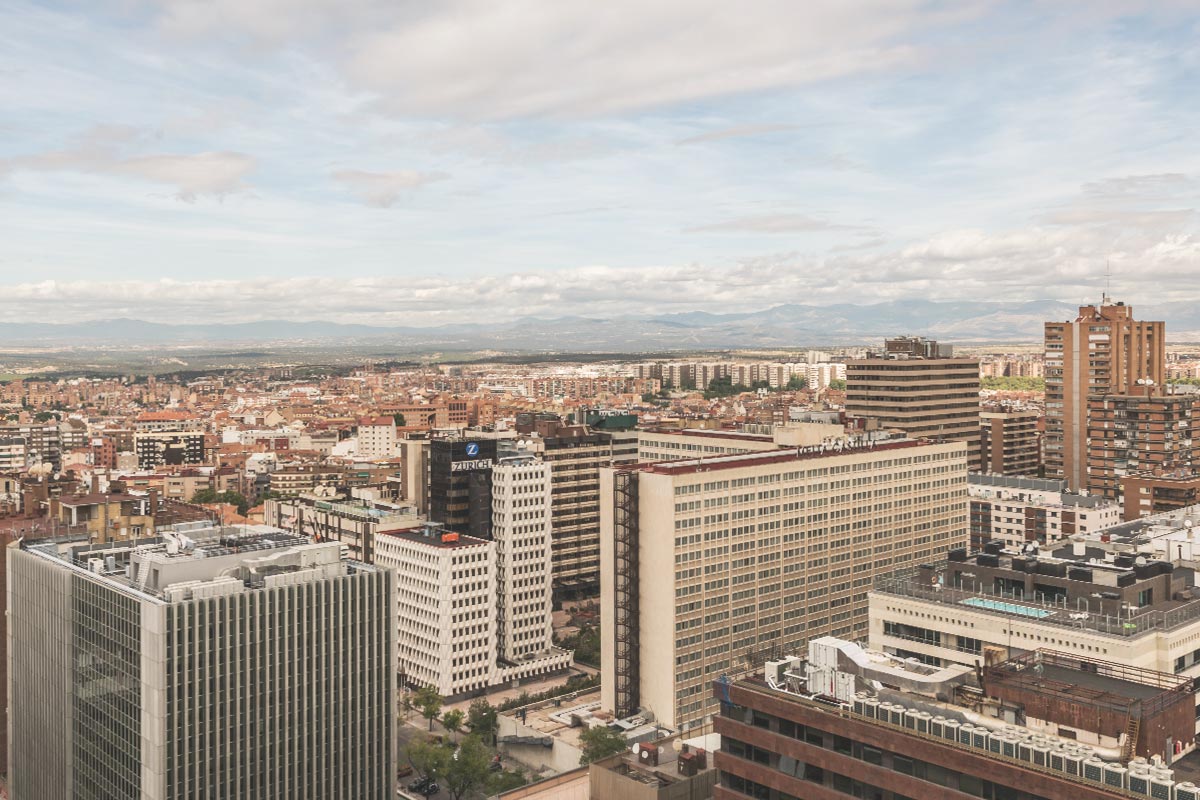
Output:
(1060, 613)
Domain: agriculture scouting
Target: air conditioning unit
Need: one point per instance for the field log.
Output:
(896, 715)
(1187, 791)
(1025, 751)
(965, 731)
(1073, 763)
(996, 742)
(979, 738)
(1093, 770)
(1138, 782)
(910, 718)
(936, 725)
(870, 707)
(1008, 746)
(1040, 754)
(950, 730)
(1114, 775)
(923, 720)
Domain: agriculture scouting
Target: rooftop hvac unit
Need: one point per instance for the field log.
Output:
(1008, 745)
(1160, 789)
(964, 733)
(936, 725)
(950, 730)
(1057, 760)
(1093, 770)
(870, 707)
(1025, 751)
(896, 715)
(910, 718)
(979, 738)
(1162, 773)
(923, 719)
(647, 754)
(857, 705)
(1041, 755)
(996, 742)
(1073, 764)
(1187, 791)
(1114, 775)
(1138, 783)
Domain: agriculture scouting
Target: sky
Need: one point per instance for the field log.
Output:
(416, 163)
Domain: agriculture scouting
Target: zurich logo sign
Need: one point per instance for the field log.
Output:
(472, 449)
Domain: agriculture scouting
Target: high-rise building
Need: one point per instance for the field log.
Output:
(1138, 433)
(1018, 510)
(376, 437)
(1010, 444)
(460, 481)
(225, 662)
(1104, 350)
(521, 526)
(918, 387)
(576, 454)
(708, 564)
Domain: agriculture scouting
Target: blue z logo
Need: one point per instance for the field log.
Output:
(472, 449)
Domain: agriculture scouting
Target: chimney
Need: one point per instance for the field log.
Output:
(29, 503)
(95, 483)
(153, 503)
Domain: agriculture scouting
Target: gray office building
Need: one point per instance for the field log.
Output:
(205, 663)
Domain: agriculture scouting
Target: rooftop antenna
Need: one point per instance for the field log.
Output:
(1107, 296)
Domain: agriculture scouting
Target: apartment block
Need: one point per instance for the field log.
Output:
(211, 662)
(1145, 494)
(1010, 443)
(356, 524)
(917, 390)
(1138, 433)
(376, 437)
(708, 564)
(1104, 350)
(156, 448)
(1017, 511)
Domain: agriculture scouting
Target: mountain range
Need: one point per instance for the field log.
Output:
(790, 325)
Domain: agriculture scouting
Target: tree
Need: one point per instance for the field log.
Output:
(838, 384)
(505, 781)
(430, 702)
(648, 397)
(428, 760)
(600, 742)
(399, 418)
(231, 497)
(797, 382)
(483, 719)
(452, 720)
(468, 767)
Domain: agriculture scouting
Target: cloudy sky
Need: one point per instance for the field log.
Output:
(416, 163)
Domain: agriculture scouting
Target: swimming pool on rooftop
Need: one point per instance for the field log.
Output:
(1007, 608)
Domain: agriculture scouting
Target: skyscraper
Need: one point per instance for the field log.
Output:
(1104, 350)
(225, 662)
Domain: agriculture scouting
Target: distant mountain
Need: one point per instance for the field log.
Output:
(790, 325)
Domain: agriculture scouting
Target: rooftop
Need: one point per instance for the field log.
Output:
(434, 535)
(694, 465)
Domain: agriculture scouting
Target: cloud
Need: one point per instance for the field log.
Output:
(771, 223)
(104, 150)
(477, 59)
(383, 189)
(736, 132)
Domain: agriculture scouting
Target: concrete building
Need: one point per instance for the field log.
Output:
(460, 471)
(211, 662)
(849, 723)
(818, 376)
(106, 517)
(1020, 510)
(1139, 433)
(521, 526)
(1145, 494)
(1104, 350)
(673, 768)
(356, 524)
(576, 454)
(43, 442)
(1010, 443)
(708, 564)
(13, 454)
(376, 437)
(448, 590)
(1128, 597)
(917, 389)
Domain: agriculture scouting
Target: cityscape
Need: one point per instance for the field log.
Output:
(530, 401)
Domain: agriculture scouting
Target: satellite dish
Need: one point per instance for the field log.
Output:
(1140, 561)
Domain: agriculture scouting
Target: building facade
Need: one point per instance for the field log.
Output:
(1104, 350)
(1010, 443)
(1017, 511)
(210, 663)
(709, 564)
(460, 479)
(1138, 433)
(155, 448)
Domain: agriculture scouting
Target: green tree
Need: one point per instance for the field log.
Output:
(648, 397)
(796, 382)
(44, 416)
(724, 387)
(468, 768)
(505, 781)
(1014, 384)
(428, 760)
(600, 742)
(452, 720)
(838, 384)
(429, 702)
(399, 418)
(231, 497)
(483, 719)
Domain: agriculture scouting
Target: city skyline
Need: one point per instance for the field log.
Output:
(411, 166)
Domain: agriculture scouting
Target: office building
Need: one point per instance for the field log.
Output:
(1138, 433)
(849, 723)
(448, 590)
(521, 526)
(460, 484)
(576, 453)
(1010, 443)
(231, 662)
(357, 524)
(918, 388)
(1020, 510)
(708, 564)
(1104, 350)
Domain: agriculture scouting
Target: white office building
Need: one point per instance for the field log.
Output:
(521, 514)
